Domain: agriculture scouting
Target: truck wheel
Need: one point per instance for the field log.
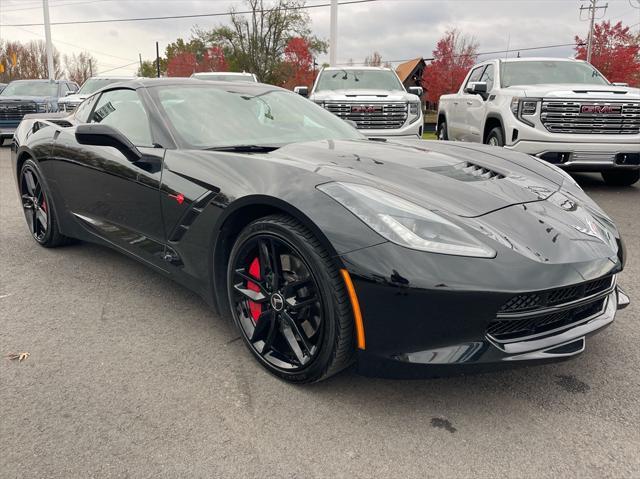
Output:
(495, 137)
(442, 130)
(621, 177)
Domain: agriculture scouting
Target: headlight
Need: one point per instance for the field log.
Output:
(414, 111)
(405, 223)
(523, 107)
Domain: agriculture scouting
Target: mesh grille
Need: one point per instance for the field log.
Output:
(14, 111)
(370, 116)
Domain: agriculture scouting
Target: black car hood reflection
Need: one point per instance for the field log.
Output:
(436, 176)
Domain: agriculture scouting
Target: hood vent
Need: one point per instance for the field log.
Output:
(616, 92)
(467, 171)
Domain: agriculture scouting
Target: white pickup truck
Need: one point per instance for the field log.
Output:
(560, 110)
(372, 98)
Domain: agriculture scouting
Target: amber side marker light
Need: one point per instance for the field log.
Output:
(357, 315)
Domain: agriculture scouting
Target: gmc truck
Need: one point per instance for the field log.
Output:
(562, 111)
(372, 99)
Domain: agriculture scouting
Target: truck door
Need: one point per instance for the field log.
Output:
(476, 108)
(458, 117)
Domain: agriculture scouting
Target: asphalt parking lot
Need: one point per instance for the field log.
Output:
(131, 375)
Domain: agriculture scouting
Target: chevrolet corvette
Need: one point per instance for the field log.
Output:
(407, 258)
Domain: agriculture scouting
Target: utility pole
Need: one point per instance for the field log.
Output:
(140, 57)
(333, 34)
(592, 8)
(47, 35)
(90, 68)
(158, 59)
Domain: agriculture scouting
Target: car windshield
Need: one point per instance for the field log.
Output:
(358, 80)
(94, 84)
(30, 88)
(543, 72)
(214, 117)
(222, 77)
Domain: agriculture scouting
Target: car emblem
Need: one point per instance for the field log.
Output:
(365, 108)
(277, 302)
(601, 109)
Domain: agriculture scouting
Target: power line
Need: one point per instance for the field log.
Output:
(487, 53)
(51, 6)
(179, 17)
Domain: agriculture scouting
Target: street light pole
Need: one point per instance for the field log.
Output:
(47, 35)
(333, 34)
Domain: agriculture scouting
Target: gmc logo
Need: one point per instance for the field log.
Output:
(601, 109)
(365, 109)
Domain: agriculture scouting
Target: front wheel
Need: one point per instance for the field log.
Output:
(495, 137)
(442, 130)
(621, 177)
(289, 302)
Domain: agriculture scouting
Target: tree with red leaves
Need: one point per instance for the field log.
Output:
(182, 65)
(213, 60)
(615, 52)
(453, 57)
(298, 63)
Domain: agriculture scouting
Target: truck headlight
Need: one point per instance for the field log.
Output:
(414, 111)
(523, 107)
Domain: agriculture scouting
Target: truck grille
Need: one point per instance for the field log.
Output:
(604, 118)
(371, 116)
(529, 315)
(14, 111)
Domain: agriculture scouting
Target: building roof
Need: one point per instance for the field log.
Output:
(404, 70)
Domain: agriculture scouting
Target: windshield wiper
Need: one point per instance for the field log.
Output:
(245, 148)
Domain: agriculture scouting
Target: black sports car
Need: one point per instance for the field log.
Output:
(408, 258)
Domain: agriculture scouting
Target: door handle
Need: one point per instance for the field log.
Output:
(455, 102)
(469, 102)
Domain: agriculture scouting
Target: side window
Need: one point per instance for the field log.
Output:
(82, 112)
(123, 110)
(488, 77)
(476, 73)
(74, 87)
(64, 88)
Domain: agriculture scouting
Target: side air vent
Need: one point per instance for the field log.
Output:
(466, 171)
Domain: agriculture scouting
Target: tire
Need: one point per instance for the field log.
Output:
(442, 131)
(330, 344)
(621, 177)
(38, 207)
(495, 137)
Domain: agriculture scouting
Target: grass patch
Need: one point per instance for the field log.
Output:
(429, 135)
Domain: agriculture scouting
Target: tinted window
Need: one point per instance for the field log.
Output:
(123, 110)
(540, 72)
(488, 76)
(219, 77)
(476, 73)
(31, 88)
(92, 85)
(208, 116)
(72, 86)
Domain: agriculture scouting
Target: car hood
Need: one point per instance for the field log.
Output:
(562, 90)
(37, 99)
(515, 199)
(466, 181)
(362, 95)
(73, 99)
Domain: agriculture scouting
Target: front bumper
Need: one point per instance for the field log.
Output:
(428, 315)
(7, 131)
(414, 130)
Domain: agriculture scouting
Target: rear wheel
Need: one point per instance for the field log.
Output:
(621, 177)
(495, 137)
(289, 302)
(442, 130)
(38, 208)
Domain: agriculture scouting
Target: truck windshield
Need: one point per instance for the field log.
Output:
(223, 77)
(358, 80)
(543, 72)
(30, 88)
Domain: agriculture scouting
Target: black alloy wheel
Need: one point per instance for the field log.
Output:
(284, 302)
(38, 209)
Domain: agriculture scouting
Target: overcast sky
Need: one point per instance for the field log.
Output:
(398, 29)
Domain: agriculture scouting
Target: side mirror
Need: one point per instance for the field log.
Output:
(416, 90)
(619, 83)
(104, 135)
(476, 87)
(302, 91)
(70, 93)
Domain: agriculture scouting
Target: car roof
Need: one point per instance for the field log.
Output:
(178, 81)
(41, 80)
(540, 59)
(354, 68)
(223, 73)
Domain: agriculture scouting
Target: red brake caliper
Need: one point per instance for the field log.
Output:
(254, 270)
(44, 206)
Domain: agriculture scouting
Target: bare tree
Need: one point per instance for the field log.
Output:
(256, 42)
(374, 60)
(31, 60)
(80, 67)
